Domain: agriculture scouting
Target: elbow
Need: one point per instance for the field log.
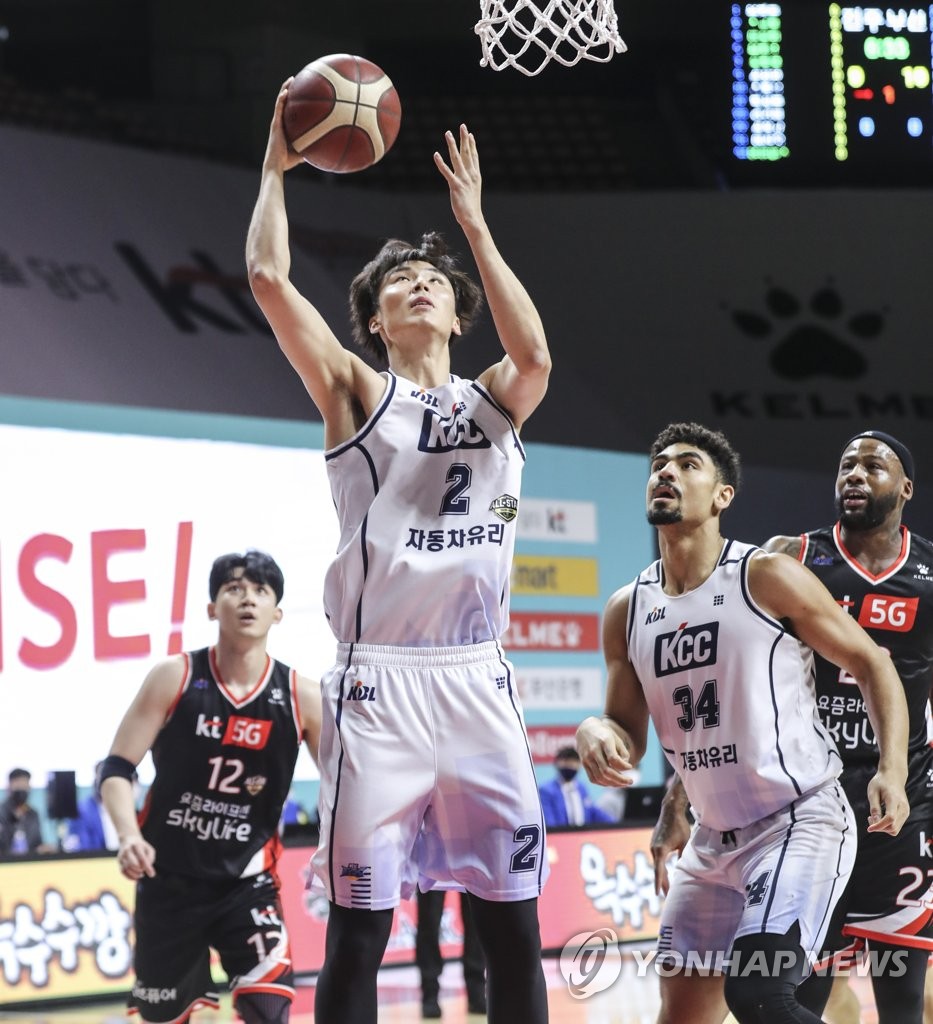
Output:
(264, 279)
(537, 363)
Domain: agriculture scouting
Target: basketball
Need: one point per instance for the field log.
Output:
(342, 113)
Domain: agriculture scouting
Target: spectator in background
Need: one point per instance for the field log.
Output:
(93, 829)
(565, 800)
(293, 811)
(20, 827)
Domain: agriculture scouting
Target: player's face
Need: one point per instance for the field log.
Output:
(684, 485)
(871, 485)
(417, 294)
(244, 607)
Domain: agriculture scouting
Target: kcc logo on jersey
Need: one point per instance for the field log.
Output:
(687, 647)
(247, 732)
(448, 433)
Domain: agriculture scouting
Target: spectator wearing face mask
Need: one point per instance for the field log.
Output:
(20, 828)
(565, 800)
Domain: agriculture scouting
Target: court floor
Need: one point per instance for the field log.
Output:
(629, 1000)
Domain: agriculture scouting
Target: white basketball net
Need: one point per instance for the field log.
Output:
(525, 35)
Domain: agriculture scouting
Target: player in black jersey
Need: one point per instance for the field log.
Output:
(224, 725)
(880, 573)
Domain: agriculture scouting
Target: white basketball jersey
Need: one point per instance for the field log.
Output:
(427, 495)
(731, 694)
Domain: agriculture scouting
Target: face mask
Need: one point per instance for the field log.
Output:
(19, 797)
(567, 773)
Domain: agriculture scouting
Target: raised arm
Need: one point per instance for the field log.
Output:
(344, 388)
(788, 590)
(612, 745)
(518, 381)
(135, 736)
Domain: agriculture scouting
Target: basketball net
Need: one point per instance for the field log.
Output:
(526, 35)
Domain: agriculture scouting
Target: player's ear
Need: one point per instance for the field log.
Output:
(724, 497)
(211, 611)
(907, 489)
(277, 617)
(456, 329)
(374, 326)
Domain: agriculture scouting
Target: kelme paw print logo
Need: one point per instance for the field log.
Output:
(812, 340)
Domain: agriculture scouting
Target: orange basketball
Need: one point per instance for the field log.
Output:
(342, 113)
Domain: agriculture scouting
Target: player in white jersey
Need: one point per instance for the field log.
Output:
(714, 643)
(426, 776)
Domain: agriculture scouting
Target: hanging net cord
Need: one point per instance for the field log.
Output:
(516, 33)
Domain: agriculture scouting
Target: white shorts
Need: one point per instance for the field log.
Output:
(789, 867)
(426, 778)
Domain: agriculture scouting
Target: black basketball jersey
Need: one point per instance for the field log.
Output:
(896, 609)
(223, 770)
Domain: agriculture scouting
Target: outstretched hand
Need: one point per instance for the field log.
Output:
(463, 177)
(279, 152)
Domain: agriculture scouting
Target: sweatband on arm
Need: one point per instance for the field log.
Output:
(114, 766)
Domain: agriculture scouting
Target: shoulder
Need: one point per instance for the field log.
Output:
(618, 604)
(771, 573)
(164, 679)
(784, 545)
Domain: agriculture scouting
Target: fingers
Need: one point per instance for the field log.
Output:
(662, 881)
(606, 767)
(461, 152)
(888, 808)
(890, 822)
(136, 860)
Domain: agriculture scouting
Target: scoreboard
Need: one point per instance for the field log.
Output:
(831, 85)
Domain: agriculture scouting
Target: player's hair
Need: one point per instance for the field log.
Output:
(364, 289)
(18, 773)
(257, 566)
(568, 754)
(715, 444)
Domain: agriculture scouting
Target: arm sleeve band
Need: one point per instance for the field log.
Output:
(114, 765)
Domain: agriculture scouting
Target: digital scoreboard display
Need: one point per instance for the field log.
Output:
(832, 85)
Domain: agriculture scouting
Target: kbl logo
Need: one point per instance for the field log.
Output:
(360, 692)
(688, 647)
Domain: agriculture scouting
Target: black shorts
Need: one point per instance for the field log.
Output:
(179, 919)
(889, 897)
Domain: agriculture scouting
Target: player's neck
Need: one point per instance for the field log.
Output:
(874, 549)
(241, 662)
(688, 556)
(428, 368)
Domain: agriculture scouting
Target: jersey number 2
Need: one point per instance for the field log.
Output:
(455, 502)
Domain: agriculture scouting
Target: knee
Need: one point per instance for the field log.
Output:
(758, 1000)
(357, 938)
